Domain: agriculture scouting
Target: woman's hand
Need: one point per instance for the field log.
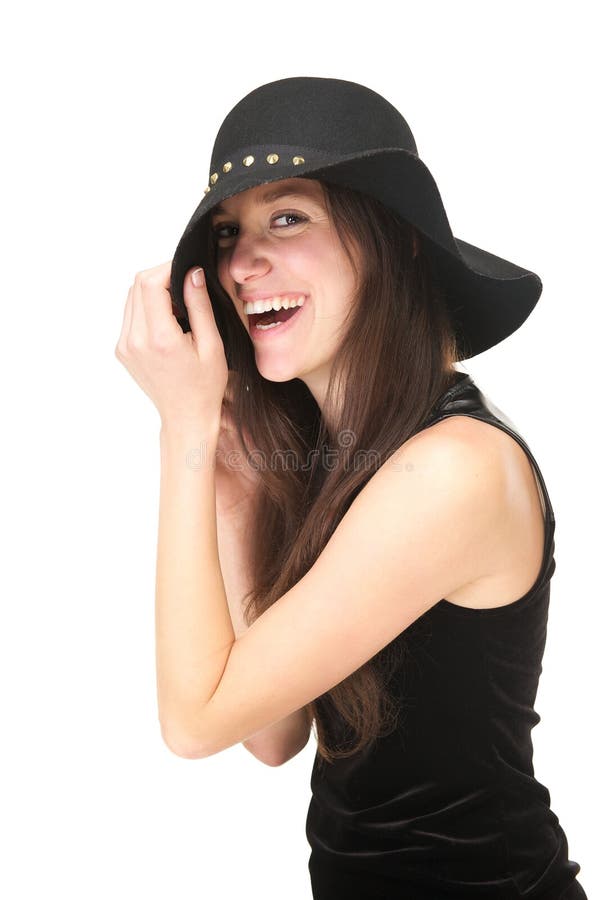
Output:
(236, 480)
(184, 374)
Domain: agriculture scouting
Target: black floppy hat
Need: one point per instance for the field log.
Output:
(350, 135)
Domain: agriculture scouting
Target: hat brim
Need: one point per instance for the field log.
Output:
(489, 297)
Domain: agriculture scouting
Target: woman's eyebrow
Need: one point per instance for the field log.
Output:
(269, 196)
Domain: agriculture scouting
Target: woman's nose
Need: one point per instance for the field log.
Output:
(249, 256)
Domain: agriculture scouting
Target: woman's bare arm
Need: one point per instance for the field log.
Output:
(236, 487)
(280, 742)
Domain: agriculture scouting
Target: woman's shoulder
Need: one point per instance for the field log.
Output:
(495, 459)
(461, 432)
(484, 438)
(501, 457)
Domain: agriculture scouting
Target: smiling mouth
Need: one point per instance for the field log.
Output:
(273, 315)
(268, 324)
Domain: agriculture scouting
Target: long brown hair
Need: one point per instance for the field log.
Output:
(394, 361)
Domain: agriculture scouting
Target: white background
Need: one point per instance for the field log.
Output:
(109, 115)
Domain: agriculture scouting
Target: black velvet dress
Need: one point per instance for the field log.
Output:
(447, 805)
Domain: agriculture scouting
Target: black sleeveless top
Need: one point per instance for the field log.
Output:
(447, 805)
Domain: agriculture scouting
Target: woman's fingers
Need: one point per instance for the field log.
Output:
(148, 309)
(121, 345)
(156, 303)
(137, 332)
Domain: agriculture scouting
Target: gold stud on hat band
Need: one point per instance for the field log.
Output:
(271, 159)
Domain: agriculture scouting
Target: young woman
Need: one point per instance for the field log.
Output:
(351, 534)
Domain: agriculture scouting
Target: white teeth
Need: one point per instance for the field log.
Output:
(264, 327)
(275, 303)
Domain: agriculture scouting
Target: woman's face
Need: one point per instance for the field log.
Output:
(286, 244)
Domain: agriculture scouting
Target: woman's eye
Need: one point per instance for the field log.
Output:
(218, 230)
(290, 216)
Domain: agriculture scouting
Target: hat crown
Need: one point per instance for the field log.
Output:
(327, 114)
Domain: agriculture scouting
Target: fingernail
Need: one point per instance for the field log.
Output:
(197, 277)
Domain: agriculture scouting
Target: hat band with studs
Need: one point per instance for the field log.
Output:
(261, 158)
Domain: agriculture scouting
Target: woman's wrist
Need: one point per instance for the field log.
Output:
(186, 430)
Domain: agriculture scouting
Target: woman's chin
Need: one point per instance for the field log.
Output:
(271, 371)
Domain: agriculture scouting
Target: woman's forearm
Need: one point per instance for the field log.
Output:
(194, 632)
(276, 743)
